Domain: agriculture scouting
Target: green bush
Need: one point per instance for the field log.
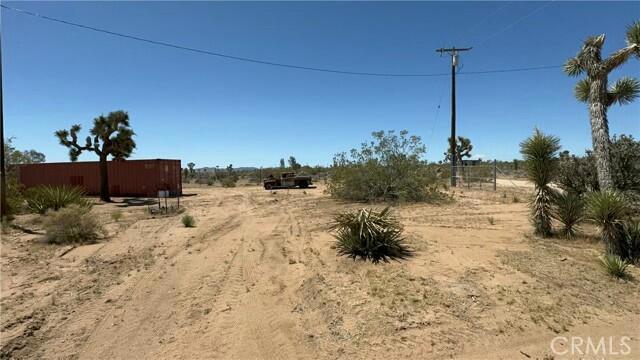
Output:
(117, 215)
(632, 233)
(389, 168)
(15, 198)
(615, 266)
(72, 225)
(188, 221)
(46, 197)
(568, 209)
(609, 210)
(229, 181)
(579, 174)
(369, 234)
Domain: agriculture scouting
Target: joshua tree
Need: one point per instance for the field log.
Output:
(191, 167)
(111, 136)
(594, 90)
(463, 149)
(540, 161)
(293, 164)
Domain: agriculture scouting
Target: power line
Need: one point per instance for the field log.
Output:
(263, 62)
(492, 14)
(517, 21)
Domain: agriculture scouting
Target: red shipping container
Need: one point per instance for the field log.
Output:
(126, 177)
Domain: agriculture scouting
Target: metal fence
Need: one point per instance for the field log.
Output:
(489, 175)
(477, 176)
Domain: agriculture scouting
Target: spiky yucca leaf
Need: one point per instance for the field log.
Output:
(582, 90)
(609, 210)
(369, 234)
(569, 211)
(539, 152)
(633, 36)
(573, 67)
(615, 266)
(624, 91)
(48, 197)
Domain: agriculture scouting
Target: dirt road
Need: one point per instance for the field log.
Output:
(258, 278)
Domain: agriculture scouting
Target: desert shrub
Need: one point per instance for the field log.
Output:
(632, 233)
(615, 266)
(625, 163)
(15, 198)
(492, 220)
(72, 224)
(568, 209)
(117, 215)
(540, 162)
(609, 210)
(188, 221)
(46, 197)
(369, 234)
(579, 174)
(389, 168)
(229, 181)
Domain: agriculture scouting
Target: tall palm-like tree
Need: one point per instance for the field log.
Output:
(540, 161)
(594, 91)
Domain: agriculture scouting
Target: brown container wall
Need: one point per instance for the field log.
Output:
(126, 178)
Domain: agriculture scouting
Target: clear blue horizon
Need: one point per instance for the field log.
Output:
(214, 111)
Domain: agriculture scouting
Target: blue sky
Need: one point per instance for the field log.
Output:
(214, 111)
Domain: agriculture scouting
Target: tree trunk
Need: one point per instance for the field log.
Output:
(104, 179)
(600, 132)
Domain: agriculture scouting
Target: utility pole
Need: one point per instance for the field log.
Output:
(454, 63)
(3, 175)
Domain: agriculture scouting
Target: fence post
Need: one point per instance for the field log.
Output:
(495, 173)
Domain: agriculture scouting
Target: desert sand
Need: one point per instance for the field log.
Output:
(259, 278)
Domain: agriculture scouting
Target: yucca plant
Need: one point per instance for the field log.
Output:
(632, 232)
(47, 197)
(568, 209)
(615, 266)
(370, 235)
(609, 210)
(539, 152)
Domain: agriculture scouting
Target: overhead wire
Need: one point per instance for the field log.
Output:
(492, 14)
(259, 61)
(516, 22)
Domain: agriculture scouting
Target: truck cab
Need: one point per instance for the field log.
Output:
(287, 180)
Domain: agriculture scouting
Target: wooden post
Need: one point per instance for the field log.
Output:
(495, 173)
